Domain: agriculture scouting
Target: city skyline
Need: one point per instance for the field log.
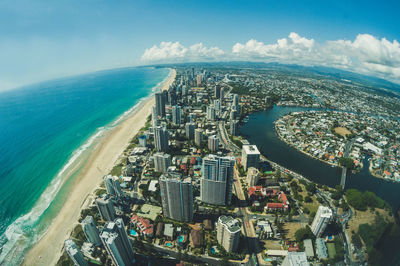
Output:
(86, 37)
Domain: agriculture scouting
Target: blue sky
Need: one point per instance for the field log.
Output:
(46, 39)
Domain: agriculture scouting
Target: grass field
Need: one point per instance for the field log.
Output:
(331, 250)
(342, 131)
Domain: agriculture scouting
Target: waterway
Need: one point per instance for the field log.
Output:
(259, 130)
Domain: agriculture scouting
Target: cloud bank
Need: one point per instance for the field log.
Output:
(366, 54)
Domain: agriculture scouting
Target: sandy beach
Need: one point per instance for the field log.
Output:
(48, 249)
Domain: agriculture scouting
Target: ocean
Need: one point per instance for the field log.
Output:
(45, 129)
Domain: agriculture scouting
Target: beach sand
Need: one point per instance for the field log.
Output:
(49, 248)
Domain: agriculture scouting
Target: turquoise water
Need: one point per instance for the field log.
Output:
(180, 239)
(133, 232)
(44, 129)
(168, 244)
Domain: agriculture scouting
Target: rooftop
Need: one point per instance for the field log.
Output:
(251, 149)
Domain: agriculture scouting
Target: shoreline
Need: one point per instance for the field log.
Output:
(100, 162)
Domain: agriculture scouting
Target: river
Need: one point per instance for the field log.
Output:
(259, 130)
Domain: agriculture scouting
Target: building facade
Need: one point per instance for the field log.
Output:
(90, 230)
(321, 220)
(106, 208)
(161, 139)
(116, 242)
(176, 115)
(216, 181)
(113, 186)
(160, 104)
(176, 198)
(161, 162)
(213, 143)
(198, 136)
(250, 156)
(74, 253)
(228, 233)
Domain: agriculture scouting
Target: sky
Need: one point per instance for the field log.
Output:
(41, 40)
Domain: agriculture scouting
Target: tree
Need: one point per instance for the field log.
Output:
(304, 233)
(346, 162)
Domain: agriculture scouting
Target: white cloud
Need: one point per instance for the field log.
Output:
(366, 54)
(176, 52)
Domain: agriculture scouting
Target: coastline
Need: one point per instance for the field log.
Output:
(107, 153)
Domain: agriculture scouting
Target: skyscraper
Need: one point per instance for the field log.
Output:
(112, 185)
(234, 127)
(90, 230)
(161, 162)
(176, 198)
(211, 112)
(74, 253)
(106, 208)
(161, 139)
(216, 181)
(217, 107)
(116, 242)
(217, 91)
(250, 156)
(199, 79)
(228, 233)
(321, 220)
(222, 94)
(172, 97)
(213, 143)
(189, 129)
(176, 115)
(198, 136)
(154, 119)
(160, 104)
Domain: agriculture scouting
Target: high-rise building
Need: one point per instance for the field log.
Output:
(74, 253)
(228, 233)
(217, 91)
(160, 104)
(189, 129)
(217, 107)
(176, 198)
(112, 185)
(161, 162)
(252, 176)
(198, 136)
(161, 139)
(321, 220)
(213, 143)
(192, 72)
(199, 79)
(90, 230)
(172, 97)
(234, 127)
(216, 181)
(211, 115)
(250, 156)
(235, 101)
(222, 94)
(154, 119)
(233, 115)
(106, 208)
(176, 115)
(116, 242)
